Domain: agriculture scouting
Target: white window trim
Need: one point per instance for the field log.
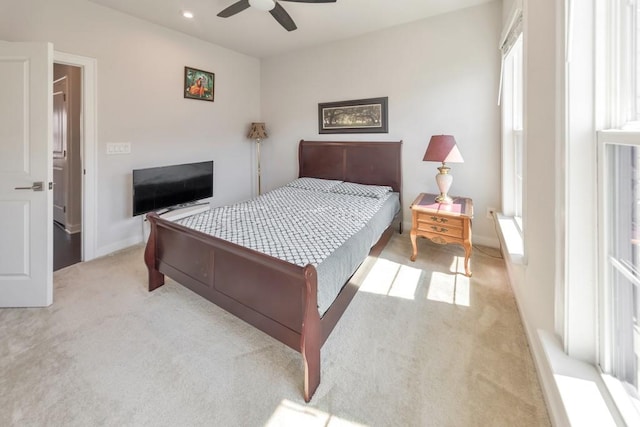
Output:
(576, 291)
(510, 229)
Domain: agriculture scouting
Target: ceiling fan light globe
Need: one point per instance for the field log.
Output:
(265, 5)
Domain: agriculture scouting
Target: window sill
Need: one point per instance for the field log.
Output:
(584, 398)
(510, 238)
(628, 407)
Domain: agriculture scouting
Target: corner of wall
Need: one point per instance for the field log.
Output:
(118, 246)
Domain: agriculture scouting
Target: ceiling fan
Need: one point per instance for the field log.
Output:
(272, 6)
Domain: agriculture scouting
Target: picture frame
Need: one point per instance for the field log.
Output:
(199, 84)
(355, 116)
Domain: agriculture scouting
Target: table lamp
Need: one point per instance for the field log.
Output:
(443, 148)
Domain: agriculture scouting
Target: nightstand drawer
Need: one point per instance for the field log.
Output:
(430, 218)
(443, 229)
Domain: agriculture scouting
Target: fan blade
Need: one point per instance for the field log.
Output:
(283, 17)
(311, 1)
(234, 8)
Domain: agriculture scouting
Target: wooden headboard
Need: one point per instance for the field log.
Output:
(374, 162)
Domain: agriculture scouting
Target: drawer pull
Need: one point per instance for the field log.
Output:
(439, 229)
(436, 219)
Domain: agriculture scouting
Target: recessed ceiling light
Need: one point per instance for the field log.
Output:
(187, 14)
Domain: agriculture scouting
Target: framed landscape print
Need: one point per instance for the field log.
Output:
(356, 116)
(198, 84)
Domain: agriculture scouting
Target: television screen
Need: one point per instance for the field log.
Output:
(170, 186)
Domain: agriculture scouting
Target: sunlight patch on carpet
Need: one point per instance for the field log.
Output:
(392, 279)
(291, 414)
(450, 288)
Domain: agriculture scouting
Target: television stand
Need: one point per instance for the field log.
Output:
(174, 214)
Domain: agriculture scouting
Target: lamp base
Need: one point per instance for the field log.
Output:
(444, 198)
(258, 158)
(444, 180)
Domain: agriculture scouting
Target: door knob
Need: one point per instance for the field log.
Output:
(37, 186)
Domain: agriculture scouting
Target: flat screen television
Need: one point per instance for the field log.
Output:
(167, 187)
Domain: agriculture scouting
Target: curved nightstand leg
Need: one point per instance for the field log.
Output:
(467, 256)
(413, 244)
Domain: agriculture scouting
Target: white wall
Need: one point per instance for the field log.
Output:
(508, 7)
(140, 74)
(441, 76)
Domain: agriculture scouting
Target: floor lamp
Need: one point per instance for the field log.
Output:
(258, 132)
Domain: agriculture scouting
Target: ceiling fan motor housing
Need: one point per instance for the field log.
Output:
(271, 6)
(265, 5)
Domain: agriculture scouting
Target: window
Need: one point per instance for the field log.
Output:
(512, 120)
(622, 259)
(512, 138)
(619, 170)
(623, 263)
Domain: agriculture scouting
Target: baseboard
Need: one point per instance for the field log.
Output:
(491, 242)
(118, 246)
(73, 228)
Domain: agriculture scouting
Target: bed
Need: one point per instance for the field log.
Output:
(278, 297)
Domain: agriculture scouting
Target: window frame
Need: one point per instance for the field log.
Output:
(617, 71)
(513, 178)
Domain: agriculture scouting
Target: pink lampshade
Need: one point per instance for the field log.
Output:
(443, 148)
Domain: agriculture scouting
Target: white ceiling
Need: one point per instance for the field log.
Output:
(256, 33)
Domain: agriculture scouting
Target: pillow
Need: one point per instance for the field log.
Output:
(315, 184)
(375, 191)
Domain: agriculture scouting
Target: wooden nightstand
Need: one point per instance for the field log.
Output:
(443, 223)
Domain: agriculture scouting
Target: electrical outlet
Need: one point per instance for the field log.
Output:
(490, 212)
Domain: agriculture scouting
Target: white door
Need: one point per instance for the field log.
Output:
(26, 219)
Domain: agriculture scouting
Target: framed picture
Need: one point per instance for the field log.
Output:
(356, 116)
(198, 84)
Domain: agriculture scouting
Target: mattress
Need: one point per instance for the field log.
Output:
(333, 231)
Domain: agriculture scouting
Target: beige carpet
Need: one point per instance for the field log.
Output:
(419, 346)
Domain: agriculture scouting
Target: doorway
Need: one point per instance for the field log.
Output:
(67, 165)
(80, 233)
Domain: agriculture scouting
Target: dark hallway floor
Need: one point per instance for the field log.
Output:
(66, 247)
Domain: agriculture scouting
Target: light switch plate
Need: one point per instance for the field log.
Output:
(118, 148)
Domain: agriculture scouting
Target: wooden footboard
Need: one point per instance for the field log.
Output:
(275, 296)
